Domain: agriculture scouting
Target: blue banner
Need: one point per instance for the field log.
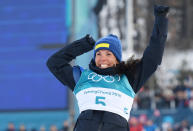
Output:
(28, 28)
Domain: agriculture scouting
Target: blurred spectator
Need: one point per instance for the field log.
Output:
(188, 82)
(53, 128)
(134, 124)
(135, 104)
(184, 126)
(33, 129)
(22, 128)
(144, 99)
(180, 99)
(156, 116)
(168, 97)
(150, 126)
(11, 127)
(142, 120)
(156, 113)
(42, 128)
(158, 98)
(191, 128)
(65, 126)
(191, 99)
(167, 123)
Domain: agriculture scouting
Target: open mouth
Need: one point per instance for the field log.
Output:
(103, 66)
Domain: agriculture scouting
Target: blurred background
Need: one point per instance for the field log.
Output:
(32, 99)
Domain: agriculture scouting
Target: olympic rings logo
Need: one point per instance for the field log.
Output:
(96, 77)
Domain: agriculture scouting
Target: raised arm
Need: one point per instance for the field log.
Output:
(59, 63)
(152, 56)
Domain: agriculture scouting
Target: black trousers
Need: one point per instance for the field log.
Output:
(100, 121)
(92, 125)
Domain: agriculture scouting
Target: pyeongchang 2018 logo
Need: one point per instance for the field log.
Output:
(96, 77)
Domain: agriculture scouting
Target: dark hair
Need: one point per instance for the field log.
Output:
(127, 67)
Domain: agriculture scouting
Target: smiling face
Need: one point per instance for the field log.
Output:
(105, 59)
